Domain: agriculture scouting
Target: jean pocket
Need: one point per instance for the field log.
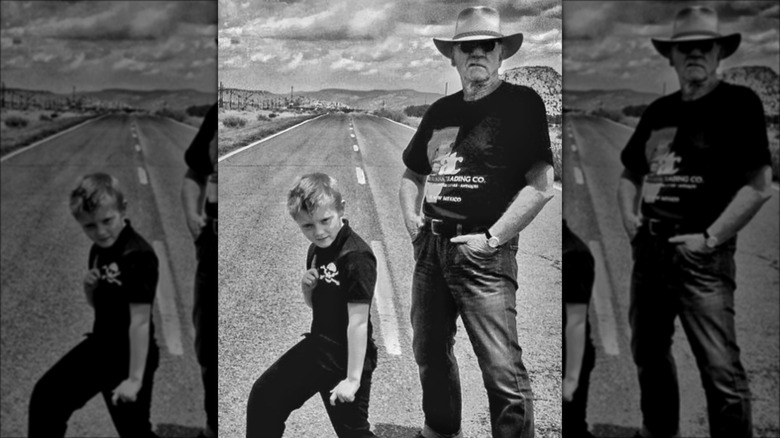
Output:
(480, 250)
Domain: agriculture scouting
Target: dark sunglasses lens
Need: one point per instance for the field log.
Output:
(470, 46)
(703, 46)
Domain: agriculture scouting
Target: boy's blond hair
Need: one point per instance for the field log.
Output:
(94, 191)
(313, 191)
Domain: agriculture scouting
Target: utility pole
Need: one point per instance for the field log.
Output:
(445, 89)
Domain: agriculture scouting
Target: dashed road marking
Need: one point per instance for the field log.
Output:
(573, 147)
(578, 176)
(142, 176)
(171, 326)
(361, 177)
(355, 148)
(558, 186)
(385, 307)
(602, 297)
(137, 147)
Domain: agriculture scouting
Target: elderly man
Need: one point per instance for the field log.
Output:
(697, 169)
(479, 169)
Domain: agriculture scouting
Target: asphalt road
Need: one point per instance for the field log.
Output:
(44, 254)
(261, 258)
(591, 171)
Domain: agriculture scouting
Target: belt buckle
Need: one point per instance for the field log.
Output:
(434, 229)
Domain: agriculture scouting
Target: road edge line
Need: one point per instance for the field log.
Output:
(385, 307)
(602, 295)
(243, 148)
(52, 137)
(400, 124)
(166, 304)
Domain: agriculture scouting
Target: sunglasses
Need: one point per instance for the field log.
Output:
(688, 47)
(487, 46)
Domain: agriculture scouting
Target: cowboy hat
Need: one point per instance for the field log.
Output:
(479, 23)
(697, 23)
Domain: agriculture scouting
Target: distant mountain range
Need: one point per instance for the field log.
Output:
(140, 99)
(544, 80)
(373, 99)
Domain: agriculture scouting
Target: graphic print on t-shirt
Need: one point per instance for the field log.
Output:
(329, 272)
(111, 273)
(443, 162)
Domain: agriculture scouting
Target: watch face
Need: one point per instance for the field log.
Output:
(493, 242)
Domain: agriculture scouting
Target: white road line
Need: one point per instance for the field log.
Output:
(776, 186)
(352, 135)
(166, 304)
(385, 307)
(602, 297)
(142, 176)
(361, 177)
(573, 147)
(182, 124)
(355, 148)
(27, 148)
(231, 153)
(578, 175)
(137, 147)
(401, 124)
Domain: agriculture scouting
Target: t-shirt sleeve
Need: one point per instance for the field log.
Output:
(578, 277)
(140, 274)
(538, 130)
(360, 279)
(197, 154)
(415, 156)
(633, 155)
(754, 152)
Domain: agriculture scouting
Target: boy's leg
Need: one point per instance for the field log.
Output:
(433, 316)
(66, 387)
(204, 317)
(132, 419)
(284, 387)
(350, 420)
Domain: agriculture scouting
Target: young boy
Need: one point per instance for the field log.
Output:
(338, 357)
(119, 357)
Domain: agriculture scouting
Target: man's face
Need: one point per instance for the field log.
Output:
(696, 61)
(322, 226)
(103, 225)
(477, 61)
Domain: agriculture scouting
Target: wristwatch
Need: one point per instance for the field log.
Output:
(492, 241)
(710, 241)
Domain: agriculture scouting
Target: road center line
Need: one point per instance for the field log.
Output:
(361, 177)
(602, 297)
(578, 175)
(385, 307)
(138, 147)
(171, 326)
(355, 148)
(142, 176)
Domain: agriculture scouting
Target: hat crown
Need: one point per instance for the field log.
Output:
(696, 20)
(479, 20)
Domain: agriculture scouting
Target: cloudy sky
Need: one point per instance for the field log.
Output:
(607, 44)
(365, 44)
(94, 45)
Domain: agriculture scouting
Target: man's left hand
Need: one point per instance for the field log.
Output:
(126, 391)
(694, 242)
(569, 387)
(344, 391)
(477, 240)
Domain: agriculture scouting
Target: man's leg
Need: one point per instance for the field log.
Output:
(484, 286)
(654, 305)
(131, 419)
(204, 316)
(575, 412)
(66, 387)
(283, 388)
(433, 317)
(707, 316)
(350, 420)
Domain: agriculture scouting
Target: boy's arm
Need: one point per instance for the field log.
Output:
(576, 316)
(139, 349)
(357, 339)
(629, 197)
(193, 190)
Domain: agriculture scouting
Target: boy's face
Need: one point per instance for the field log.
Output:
(322, 226)
(103, 225)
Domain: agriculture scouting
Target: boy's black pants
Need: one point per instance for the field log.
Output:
(574, 415)
(311, 366)
(85, 371)
(204, 317)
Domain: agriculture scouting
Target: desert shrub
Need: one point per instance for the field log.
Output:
(262, 118)
(416, 110)
(16, 122)
(272, 115)
(54, 115)
(44, 118)
(613, 115)
(393, 115)
(234, 122)
(197, 110)
(634, 110)
(177, 115)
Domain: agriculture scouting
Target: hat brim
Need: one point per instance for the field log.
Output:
(728, 43)
(510, 44)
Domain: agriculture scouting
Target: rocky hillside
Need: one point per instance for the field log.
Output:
(763, 80)
(544, 80)
(374, 99)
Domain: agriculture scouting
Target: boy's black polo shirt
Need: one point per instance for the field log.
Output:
(347, 274)
(128, 274)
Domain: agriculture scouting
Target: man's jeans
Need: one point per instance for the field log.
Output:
(670, 280)
(455, 279)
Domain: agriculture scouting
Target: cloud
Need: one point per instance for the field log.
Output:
(129, 65)
(347, 65)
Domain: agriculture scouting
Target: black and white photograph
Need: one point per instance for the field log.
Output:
(670, 146)
(104, 219)
(390, 218)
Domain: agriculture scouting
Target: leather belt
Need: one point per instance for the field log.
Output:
(662, 228)
(445, 228)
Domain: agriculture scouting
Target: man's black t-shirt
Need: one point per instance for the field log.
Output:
(128, 274)
(476, 154)
(347, 274)
(578, 276)
(695, 155)
(201, 155)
